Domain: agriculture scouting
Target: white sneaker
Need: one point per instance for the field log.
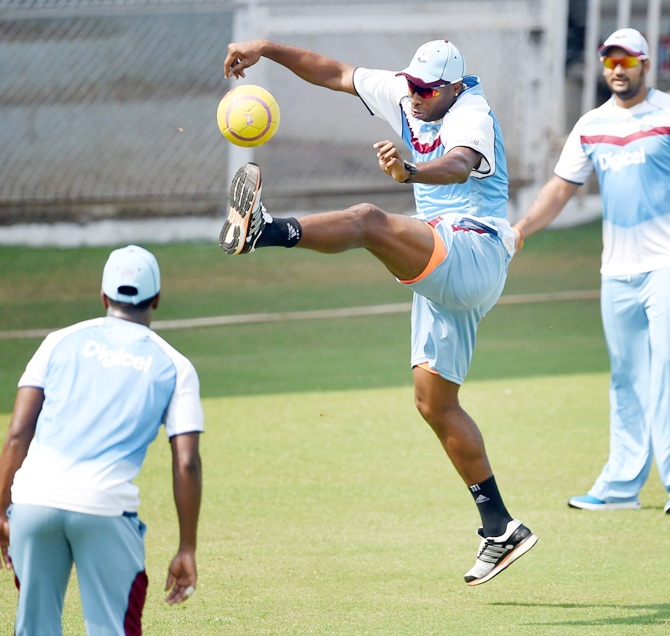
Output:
(496, 553)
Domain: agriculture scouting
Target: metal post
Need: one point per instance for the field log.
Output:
(558, 20)
(590, 55)
(623, 14)
(653, 33)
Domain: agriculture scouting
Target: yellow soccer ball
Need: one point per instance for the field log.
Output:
(248, 116)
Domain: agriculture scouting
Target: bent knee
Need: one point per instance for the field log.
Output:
(424, 408)
(435, 412)
(367, 214)
(437, 404)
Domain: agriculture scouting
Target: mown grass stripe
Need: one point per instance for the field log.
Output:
(319, 314)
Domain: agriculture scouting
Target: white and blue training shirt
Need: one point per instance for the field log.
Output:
(469, 122)
(108, 386)
(629, 148)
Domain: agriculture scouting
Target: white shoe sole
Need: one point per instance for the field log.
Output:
(621, 505)
(507, 560)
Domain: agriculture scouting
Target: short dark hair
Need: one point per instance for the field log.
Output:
(141, 306)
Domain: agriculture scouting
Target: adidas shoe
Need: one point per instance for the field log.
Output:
(496, 553)
(246, 218)
(587, 502)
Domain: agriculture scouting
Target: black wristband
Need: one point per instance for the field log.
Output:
(411, 168)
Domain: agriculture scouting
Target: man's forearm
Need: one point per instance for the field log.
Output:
(187, 486)
(547, 205)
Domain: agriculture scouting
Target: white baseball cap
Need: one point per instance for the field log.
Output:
(630, 40)
(131, 275)
(435, 63)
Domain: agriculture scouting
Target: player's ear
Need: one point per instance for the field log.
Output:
(104, 299)
(156, 300)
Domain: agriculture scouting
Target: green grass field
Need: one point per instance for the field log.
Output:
(329, 507)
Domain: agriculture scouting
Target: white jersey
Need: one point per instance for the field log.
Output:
(629, 148)
(108, 386)
(469, 123)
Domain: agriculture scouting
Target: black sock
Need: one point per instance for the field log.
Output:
(491, 507)
(280, 233)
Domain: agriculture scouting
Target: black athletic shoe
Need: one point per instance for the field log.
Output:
(496, 553)
(245, 220)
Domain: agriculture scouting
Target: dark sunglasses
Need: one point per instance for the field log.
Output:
(424, 93)
(627, 61)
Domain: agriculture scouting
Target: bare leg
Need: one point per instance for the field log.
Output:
(403, 244)
(437, 401)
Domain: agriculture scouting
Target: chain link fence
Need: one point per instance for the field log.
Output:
(108, 106)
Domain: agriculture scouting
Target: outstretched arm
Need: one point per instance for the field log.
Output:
(21, 431)
(187, 486)
(546, 206)
(312, 67)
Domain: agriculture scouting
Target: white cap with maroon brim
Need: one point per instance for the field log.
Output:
(630, 40)
(434, 64)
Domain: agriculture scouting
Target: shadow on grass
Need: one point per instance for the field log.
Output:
(643, 614)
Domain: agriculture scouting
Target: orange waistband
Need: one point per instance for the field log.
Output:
(438, 255)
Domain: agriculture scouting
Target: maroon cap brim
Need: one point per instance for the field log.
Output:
(605, 50)
(417, 81)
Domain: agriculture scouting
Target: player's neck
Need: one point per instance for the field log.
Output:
(139, 317)
(633, 101)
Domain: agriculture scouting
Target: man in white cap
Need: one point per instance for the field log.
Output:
(454, 253)
(627, 142)
(89, 403)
